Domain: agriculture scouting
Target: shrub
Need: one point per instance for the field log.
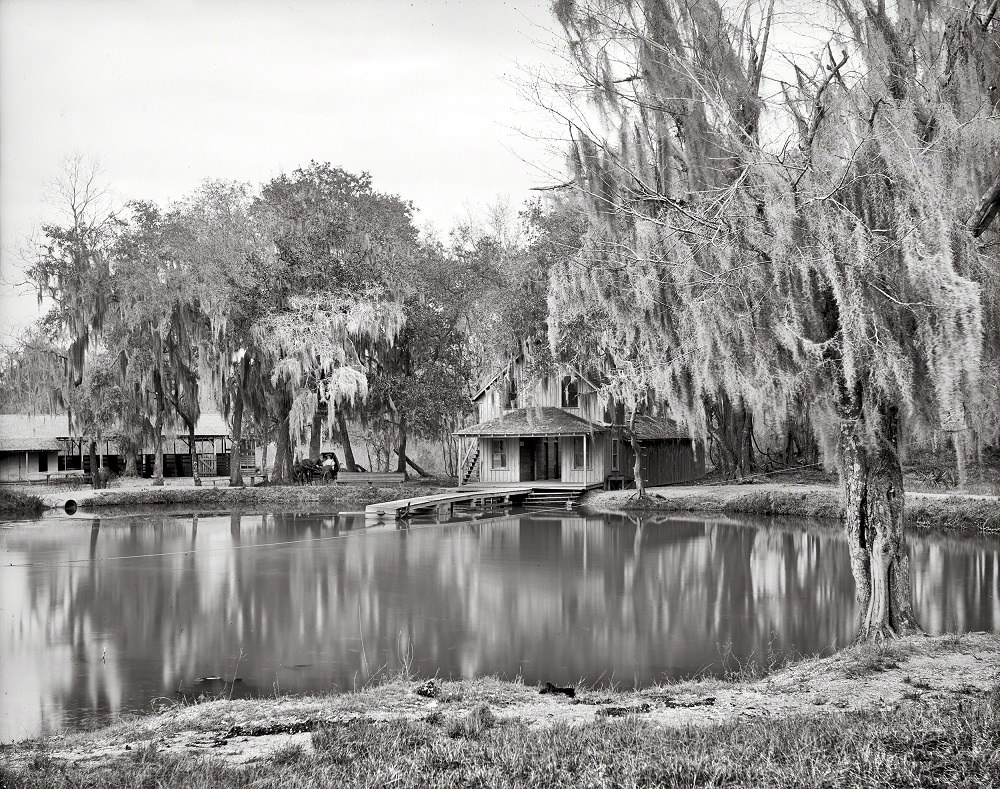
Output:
(14, 504)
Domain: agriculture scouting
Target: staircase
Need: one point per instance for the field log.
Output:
(470, 472)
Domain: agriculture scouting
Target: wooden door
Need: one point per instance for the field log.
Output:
(527, 459)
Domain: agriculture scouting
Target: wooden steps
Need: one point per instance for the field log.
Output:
(553, 498)
(471, 469)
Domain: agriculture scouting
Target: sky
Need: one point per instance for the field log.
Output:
(423, 95)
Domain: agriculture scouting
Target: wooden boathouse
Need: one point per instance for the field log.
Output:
(562, 434)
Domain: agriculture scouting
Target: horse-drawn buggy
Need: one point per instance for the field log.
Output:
(309, 470)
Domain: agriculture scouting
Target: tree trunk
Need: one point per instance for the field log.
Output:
(193, 452)
(345, 439)
(158, 430)
(401, 450)
(263, 455)
(415, 467)
(731, 428)
(283, 453)
(961, 466)
(158, 455)
(131, 461)
(449, 451)
(986, 210)
(95, 472)
(640, 483)
(744, 421)
(235, 451)
(872, 482)
(316, 435)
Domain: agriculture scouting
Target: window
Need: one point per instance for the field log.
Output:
(570, 393)
(499, 453)
(43, 461)
(614, 454)
(578, 453)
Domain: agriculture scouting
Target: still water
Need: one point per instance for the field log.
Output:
(104, 616)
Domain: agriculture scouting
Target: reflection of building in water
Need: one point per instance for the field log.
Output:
(552, 598)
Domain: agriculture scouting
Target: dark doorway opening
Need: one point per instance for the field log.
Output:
(539, 459)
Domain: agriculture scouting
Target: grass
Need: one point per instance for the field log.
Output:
(955, 512)
(951, 743)
(359, 494)
(17, 505)
(490, 732)
(868, 659)
(806, 504)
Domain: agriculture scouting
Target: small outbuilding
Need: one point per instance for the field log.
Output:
(29, 447)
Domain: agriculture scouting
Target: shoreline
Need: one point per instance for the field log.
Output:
(905, 684)
(945, 511)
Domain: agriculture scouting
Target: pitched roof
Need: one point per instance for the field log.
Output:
(545, 421)
(31, 432)
(651, 428)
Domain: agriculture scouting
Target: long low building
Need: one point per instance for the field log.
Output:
(32, 446)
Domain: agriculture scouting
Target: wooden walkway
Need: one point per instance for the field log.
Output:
(443, 502)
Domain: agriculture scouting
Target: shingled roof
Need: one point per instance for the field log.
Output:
(43, 432)
(545, 421)
(651, 428)
(31, 432)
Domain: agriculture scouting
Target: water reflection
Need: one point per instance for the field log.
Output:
(98, 620)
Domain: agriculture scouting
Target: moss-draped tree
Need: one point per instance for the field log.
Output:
(808, 248)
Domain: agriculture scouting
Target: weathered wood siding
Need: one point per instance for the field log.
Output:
(23, 466)
(547, 392)
(597, 448)
(486, 471)
(664, 462)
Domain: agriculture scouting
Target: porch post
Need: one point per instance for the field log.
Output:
(586, 477)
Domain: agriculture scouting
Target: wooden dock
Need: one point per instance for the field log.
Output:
(442, 503)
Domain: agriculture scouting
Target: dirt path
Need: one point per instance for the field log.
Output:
(910, 671)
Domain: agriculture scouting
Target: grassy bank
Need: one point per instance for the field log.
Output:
(918, 712)
(925, 510)
(15, 505)
(224, 496)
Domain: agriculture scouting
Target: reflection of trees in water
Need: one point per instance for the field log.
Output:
(553, 598)
(956, 586)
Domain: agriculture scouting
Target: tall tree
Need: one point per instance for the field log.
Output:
(338, 240)
(231, 243)
(830, 267)
(69, 265)
(424, 375)
(163, 302)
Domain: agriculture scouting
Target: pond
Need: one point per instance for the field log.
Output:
(100, 616)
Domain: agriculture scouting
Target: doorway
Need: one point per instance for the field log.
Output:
(539, 459)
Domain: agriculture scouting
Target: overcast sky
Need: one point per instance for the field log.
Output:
(166, 94)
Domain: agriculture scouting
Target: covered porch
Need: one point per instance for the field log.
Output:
(543, 446)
